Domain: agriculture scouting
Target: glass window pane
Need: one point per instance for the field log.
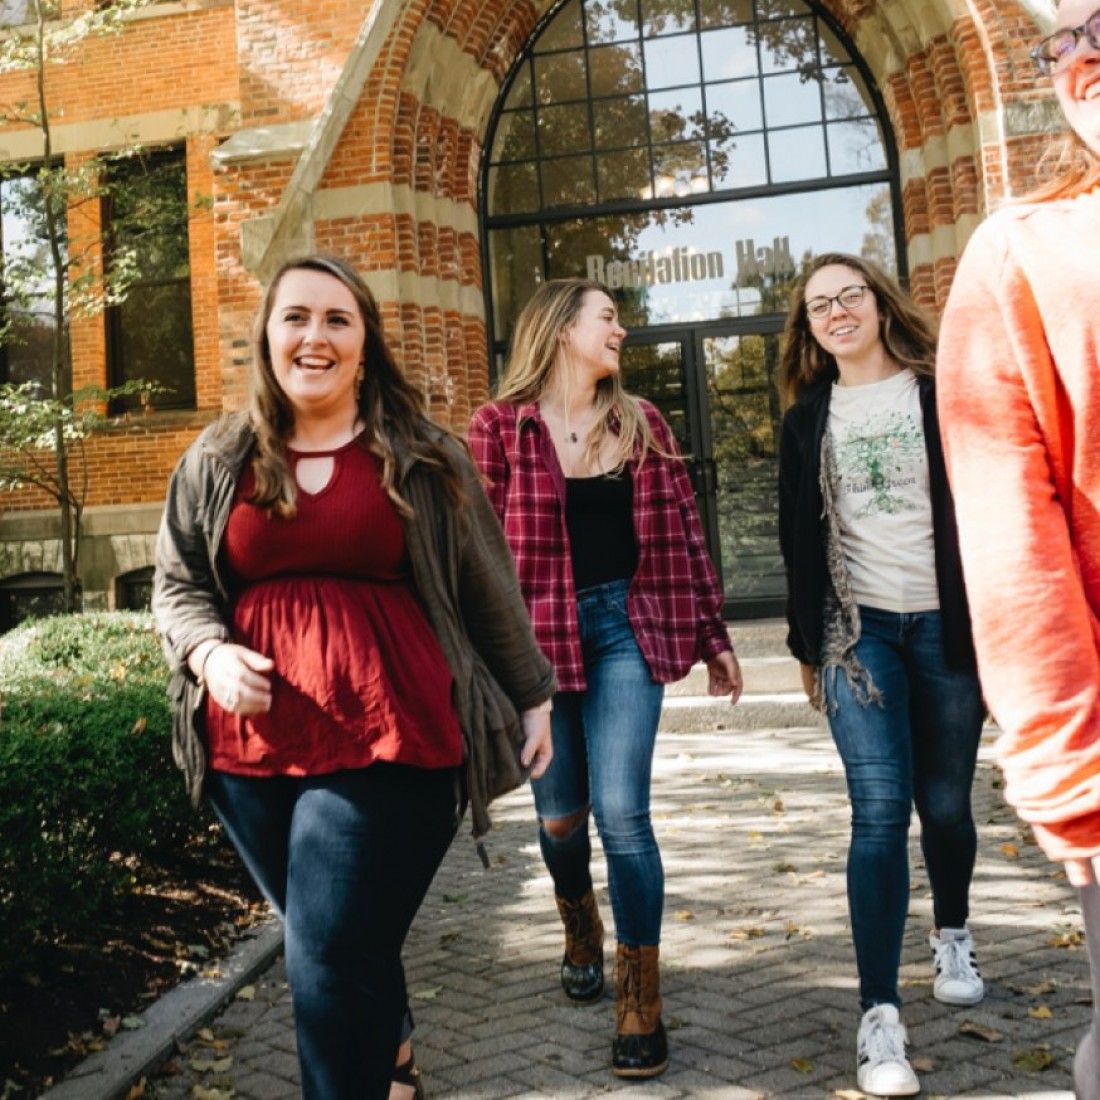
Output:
(672, 61)
(624, 175)
(797, 154)
(729, 54)
(560, 76)
(739, 163)
(789, 100)
(154, 342)
(832, 49)
(845, 94)
(614, 70)
(675, 116)
(515, 138)
(788, 44)
(515, 258)
(513, 189)
(778, 9)
(147, 213)
(680, 169)
(564, 129)
(617, 22)
(564, 31)
(855, 147)
(567, 182)
(667, 16)
(620, 122)
(519, 94)
(734, 107)
(724, 13)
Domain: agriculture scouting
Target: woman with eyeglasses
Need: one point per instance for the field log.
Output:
(1020, 405)
(878, 620)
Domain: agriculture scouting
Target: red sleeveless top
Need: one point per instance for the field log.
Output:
(359, 674)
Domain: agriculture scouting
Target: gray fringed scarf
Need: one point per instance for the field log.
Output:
(841, 617)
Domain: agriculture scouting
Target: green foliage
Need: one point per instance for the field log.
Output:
(87, 784)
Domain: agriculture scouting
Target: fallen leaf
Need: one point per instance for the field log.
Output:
(778, 807)
(1040, 1012)
(205, 1034)
(685, 914)
(426, 992)
(1010, 851)
(802, 1065)
(782, 868)
(201, 1092)
(139, 727)
(976, 1031)
(1071, 937)
(1033, 1059)
(222, 1065)
(746, 934)
(137, 1090)
(922, 1064)
(1040, 990)
(132, 1023)
(246, 993)
(111, 1024)
(202, 1065)
(850, 1094)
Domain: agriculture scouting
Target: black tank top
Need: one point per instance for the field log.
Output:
(599, 515)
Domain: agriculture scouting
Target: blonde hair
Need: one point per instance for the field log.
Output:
(907, 332)
(536, 361)
(388, 404)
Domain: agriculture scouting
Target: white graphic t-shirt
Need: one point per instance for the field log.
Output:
(883, 502)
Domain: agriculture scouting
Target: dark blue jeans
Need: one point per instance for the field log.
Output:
(346, 859)
(919, 746)
(603, 757)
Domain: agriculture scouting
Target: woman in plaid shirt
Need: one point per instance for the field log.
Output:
(600, 514)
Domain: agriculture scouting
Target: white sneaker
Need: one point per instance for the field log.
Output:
(881, 1066)
(958, 980)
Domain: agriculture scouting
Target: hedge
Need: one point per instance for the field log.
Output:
(86, 775)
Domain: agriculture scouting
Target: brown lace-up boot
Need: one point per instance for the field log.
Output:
(640, 1048)
(582, 963)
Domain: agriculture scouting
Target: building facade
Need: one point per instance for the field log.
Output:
(689, 154)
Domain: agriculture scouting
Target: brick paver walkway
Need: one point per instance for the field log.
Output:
(758, 975)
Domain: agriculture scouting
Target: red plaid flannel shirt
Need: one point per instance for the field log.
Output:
(675, 600)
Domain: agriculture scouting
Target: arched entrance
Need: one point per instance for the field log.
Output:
(691, 155)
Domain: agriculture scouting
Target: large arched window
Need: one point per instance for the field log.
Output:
(669, 148)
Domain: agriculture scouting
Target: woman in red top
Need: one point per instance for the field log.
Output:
(1019, 407)
(298, 571)
(600, 514)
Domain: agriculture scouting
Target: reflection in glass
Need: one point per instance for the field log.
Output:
(680, 169)
(734, 106)
(611, 22)
(724, 13)
(564, 129)
(620, 122)
(567, 182)
(788, 44)
(560, 76)
(513, 189)
(515, 257)
(519, 94)
(672, 61)
(564, 30)
(797, 154)
(740, 163)
(667, 16)
(832, 50)
(790, 100)
(515, 136)
(656, 372)
(855, 146)
(624, 175)
(615, 70)
(740, 373)
(729, 54)
(676, 115)
(845, 94)
(778, 9)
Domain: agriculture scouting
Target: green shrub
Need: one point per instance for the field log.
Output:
(86, 775)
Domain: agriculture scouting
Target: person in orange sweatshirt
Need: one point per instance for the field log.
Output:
(1019, 398)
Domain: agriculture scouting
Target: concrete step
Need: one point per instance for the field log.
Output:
(759, 637)
(776, 710)
(763, 675)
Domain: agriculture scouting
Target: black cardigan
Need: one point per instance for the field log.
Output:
(802, 527)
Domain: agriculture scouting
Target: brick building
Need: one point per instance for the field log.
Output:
(689, 153)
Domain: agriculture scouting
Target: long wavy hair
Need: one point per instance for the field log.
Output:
(388, 404)
(1068, 167)
(907, 332)
(538, 360)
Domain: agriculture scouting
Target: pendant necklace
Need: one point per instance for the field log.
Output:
(572, 437)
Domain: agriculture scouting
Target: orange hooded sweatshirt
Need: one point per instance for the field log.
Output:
(1019, 399)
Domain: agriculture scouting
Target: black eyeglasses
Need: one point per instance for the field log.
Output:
(850, 297)
(1053, 52)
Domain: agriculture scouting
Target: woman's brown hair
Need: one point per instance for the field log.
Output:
(389, 405)
(536, 357)
(906, 331)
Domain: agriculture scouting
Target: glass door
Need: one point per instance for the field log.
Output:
(716, 386)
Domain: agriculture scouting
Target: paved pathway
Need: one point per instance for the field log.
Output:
(758, 970)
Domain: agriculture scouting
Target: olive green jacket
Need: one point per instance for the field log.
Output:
(462, 571)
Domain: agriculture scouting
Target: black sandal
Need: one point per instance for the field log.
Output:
(408, 1074)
